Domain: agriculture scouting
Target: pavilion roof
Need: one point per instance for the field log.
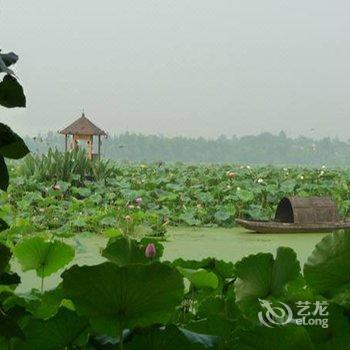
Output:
(83, 126)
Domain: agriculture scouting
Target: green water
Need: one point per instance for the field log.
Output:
(233, 244)
(189, 243)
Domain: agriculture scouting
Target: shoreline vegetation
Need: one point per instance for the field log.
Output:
(265, 148)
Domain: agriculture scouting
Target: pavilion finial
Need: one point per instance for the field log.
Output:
(83, 113)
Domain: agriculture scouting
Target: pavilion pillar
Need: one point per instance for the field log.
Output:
(99, 147)
(90, 147)
(65, 142)
(74, 142)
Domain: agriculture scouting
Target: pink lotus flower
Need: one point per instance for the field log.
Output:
(150, 251)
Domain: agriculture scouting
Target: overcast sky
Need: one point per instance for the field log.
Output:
(182, 67)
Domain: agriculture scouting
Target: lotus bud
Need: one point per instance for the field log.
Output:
(150, 251)
(130, 206)
(199, 206)
(128, 218)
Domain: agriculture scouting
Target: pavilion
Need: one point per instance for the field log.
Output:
(83, 130)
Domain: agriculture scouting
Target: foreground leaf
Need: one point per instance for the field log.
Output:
(5, 256)
(200, 278)
(6, 278)
(4, 175)
(45, 257)
(11, 93)
(171, 338)
(218, 325)
(9, 58)
(40, 305)
(337, 333)
(217, 315)
(116, 298)
(123, 251)
(11, 145)
(222, 269)
(261, 276)
(327, 269)
(289, 337)
(3, 225)
(59, 332)
(9, 327)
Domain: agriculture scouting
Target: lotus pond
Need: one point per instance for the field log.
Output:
(135, 256)
(188, 243)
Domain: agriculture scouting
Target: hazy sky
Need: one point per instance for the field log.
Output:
(182, 67)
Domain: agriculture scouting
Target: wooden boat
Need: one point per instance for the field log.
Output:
(283, 227)
(296, 214)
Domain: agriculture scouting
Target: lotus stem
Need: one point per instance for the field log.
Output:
(121, 345)
(42, 280)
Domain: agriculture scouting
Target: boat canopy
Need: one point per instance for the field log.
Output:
(308, 210)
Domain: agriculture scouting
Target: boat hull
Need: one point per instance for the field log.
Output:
(282, 227)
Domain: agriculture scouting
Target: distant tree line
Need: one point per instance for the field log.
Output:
(265, 148)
